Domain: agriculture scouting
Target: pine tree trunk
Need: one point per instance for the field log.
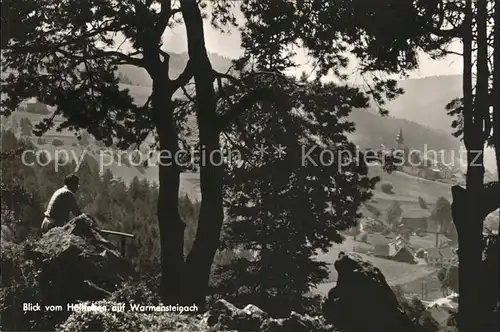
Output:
(482, 129)
(466, 205)
(170, 224)
(264, 254)
(496, 94)
(200, 259)
(496, 87)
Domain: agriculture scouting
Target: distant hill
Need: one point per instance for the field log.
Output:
(419, 112)
(425, 99)
(373, 130)
(423, 102)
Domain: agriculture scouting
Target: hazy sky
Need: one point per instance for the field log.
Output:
(229, 45)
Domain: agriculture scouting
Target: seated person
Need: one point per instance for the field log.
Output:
(63, 202)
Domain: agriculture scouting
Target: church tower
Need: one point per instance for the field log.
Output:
(400, 139)
(402, 147)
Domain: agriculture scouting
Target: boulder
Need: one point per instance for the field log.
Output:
(66, 265)
(125, 321)
(226, 316)
(7, 234)
(80, 261)
(297, 323)
(363, 301)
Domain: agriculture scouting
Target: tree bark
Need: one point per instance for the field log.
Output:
(496, 86)
(170, 223)
(469, 223)
(200, 259)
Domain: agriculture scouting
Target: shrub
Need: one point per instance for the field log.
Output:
(57, 142)
(83, 139)
(74, 144)
(41, 141)
(22, 283)
(387, 188)
(135, 292)
(394, 214)
(416, 311)
(422, 202)
(364, 238)
(26, 127)
(420, 253)
(374, 227)
(111, 321)
(376, 212)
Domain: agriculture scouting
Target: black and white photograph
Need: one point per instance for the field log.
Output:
(250, 165)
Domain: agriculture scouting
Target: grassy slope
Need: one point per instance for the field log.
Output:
(406, 190)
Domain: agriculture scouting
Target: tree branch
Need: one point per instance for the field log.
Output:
(228, 77)
(166, 12)
(247, 101)
(125, 58)
(241, 147)
(189, 97)
(454, 32)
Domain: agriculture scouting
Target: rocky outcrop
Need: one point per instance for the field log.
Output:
(363, 301)
(80, 262)
(7, 234)
(297, 322)
(74, 263)
(66, 265)
(225, 316)
(131, 321)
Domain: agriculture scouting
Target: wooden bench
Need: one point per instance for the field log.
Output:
(123, 237)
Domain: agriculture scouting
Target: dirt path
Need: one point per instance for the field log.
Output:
(423, 180)
(409, 278)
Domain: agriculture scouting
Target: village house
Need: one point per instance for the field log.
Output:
(397, 249)
(419, 221)
(414, 220)
(428, 240)
(442, 256)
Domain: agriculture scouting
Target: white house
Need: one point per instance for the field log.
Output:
(441, 256)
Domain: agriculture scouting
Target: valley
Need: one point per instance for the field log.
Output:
(372, 130)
